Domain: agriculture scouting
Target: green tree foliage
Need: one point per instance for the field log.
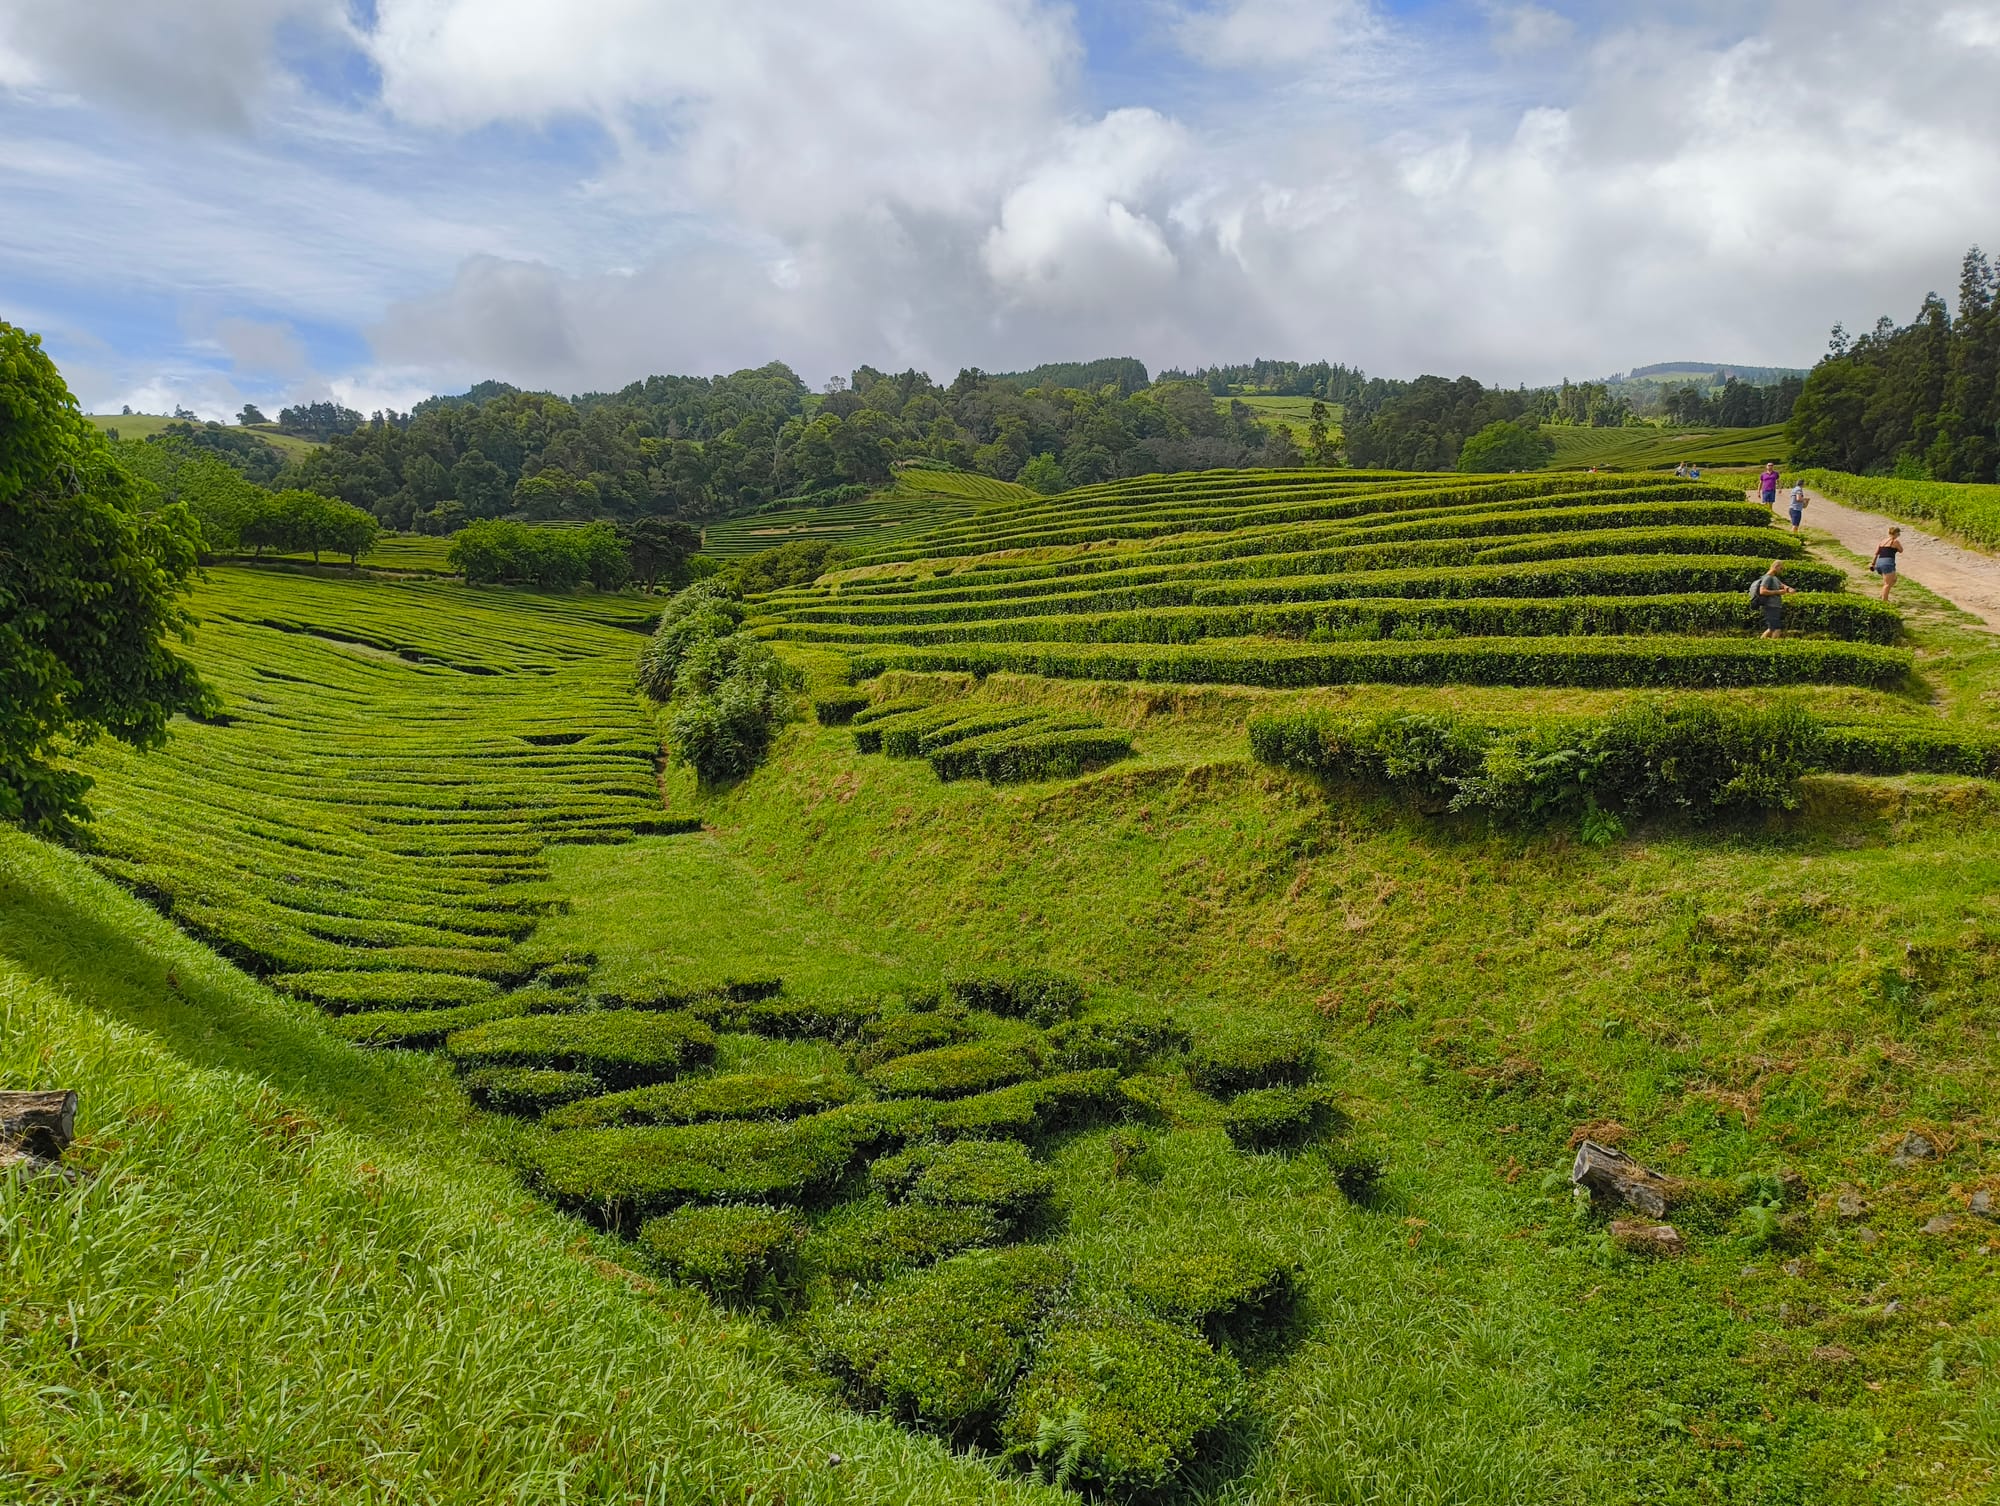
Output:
(1504, 446)
(497, 552)
(727, 693)
(1921, 401)
(298, 521)
(318, 420)
(1424, 426)
(661, 549)
(1042, 474)
(251, 414)
(793, 564)
(90, 590)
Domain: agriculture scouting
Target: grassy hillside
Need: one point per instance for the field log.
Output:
(917, 500)
(1649, 449)
(431, 806)
(145, 425)
(1294, 412)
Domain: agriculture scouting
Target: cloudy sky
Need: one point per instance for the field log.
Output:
(213, 200)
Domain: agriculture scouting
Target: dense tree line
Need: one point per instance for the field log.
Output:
(696, 448)
(182, 466)
(1732, 404)
(1920, 401)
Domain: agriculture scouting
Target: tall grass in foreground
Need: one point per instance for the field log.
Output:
(1963, 511)
(261, 1294)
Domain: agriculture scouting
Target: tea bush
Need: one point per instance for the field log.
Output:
(738, 1252)
(620, 1048)
(1044, 1106)
(617, 1175)
(906, 1034)
(527, 1091)
(951, 1071)
(1226, 1286)
(1120, 1403)
(864, 1242)
(1124, 1041)
(1033, 994)
(1252, 1054)
(729, 1095)
(800, 1019)
(997, 1175)
(1278, 1118)
(838, 709)
(942, 1348)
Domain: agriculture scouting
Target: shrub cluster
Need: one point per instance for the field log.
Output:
(527, 1091)
(997, 1175)
(838, 709)
(727, 1095)
(1120, 1403)
(891, 1036)
(1690, 758)
(864, 1242)
(951, 1071)
(1278, 1118)
(1225, 1286)
(1042, 1106)
(727, 693)
(1124, 1041)
(1001, 745)
(1252, 1054)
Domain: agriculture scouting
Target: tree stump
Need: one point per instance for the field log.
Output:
(1612, 1176)
(35, 1129)
(38, 1124)
(1637, 1237)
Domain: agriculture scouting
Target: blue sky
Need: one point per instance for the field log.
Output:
(280, 200)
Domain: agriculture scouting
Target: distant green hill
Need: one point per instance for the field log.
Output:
(146, 425)
(1650, 449)
(1669, 371)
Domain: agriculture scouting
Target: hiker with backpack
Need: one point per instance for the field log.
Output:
(1768, 593)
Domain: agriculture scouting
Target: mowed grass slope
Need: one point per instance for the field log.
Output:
(1298, 578)
(1652, 449)
(146, 425)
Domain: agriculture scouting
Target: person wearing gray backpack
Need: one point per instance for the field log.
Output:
(1768, 592)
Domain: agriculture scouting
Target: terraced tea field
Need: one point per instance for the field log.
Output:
(365, 825)
(1302, 578)
(1650, 449)
(917, 500)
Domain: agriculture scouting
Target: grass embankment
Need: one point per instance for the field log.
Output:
(1965, 512)
(295, 1273)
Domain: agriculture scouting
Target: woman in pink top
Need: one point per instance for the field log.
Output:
(1769, 481)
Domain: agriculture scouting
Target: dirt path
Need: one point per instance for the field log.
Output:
(1964, 577)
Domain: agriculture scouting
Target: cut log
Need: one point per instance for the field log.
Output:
(38, 1124)
(1612, 1176)
(32, 1168)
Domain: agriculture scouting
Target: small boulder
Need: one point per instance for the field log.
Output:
(1981, 1203)
(1944, 1223)
(1850, 1205)
(1866, 1235)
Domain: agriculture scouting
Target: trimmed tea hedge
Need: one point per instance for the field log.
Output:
(1125, 1040)
(1277, 1118)
(527, 1091)
(839, 709)
(1026, 1110)
(1027, 993)
(951, 1071)
(737, 1252)
(942, 1348)
(1246, 1054)
(997, 1175)
(1120, 1403)
(730, 1095)
(620, 1048)
(865, 1242)
(1226, 1286)
(906, 1034)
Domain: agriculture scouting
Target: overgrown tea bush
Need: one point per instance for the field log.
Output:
(997, 1175)
(730, 1095)
(951, 1071)
(727, 693)
(1120, 1403)
(527, 1091)
(864, 1242)
(1033, 994)
(1226, 1286)
(1278, 1118)
(1252, 1054)
(1124, 1040)
(620, 1048)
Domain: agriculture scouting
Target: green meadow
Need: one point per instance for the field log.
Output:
(478, 1108)
(146, 425)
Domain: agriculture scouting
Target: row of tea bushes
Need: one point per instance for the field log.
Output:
(999, 744)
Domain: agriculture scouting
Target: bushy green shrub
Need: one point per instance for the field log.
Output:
(527, 1091)
(620, 1048)
(1356, 1169)
(838, 709)
(1031, 753)
(731, 706)
(1023, 993)
(1246, 1054)
(869, 1240)
(1124, 1040)
(417, 1029)
(951, 1071)
(943, 1347)
(1120, 1403)
(1040, 1107)
(737, 1252)
(618, 1175)
(728, 1095)
(1228, 1286)
(891, 1036)
(705, 610)
(997, 1175)
(342, 991)
(1276, 1118)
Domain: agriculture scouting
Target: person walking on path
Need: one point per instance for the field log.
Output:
(1770, 593)
(1768, 482)
(1886, 554)
(1798, 504)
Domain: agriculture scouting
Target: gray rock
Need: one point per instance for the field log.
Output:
(1913, 1148)
(1944, 1223)
(1866, 1235)
(1982, 1203)
(1850, 1205)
